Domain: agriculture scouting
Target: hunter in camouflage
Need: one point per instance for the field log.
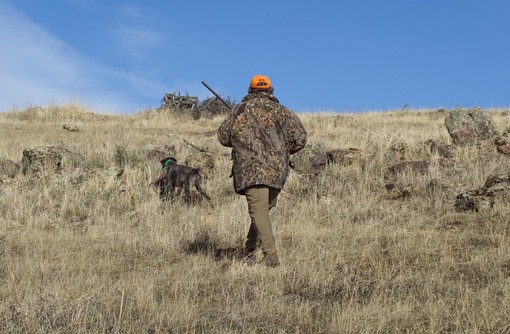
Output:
(263, 134)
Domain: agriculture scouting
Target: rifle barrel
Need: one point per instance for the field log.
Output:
(216, 94)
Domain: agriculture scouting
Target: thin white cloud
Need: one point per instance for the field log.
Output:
(39, 69)
(137, 41)
(135, 35)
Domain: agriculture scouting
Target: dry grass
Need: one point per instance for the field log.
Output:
(83, 251)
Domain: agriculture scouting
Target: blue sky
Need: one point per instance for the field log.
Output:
(340, 56)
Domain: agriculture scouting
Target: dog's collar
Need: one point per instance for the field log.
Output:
(168, 162)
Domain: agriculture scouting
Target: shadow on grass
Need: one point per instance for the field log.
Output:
(204, 245)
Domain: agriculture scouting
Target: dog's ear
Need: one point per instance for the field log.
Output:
(164, 160)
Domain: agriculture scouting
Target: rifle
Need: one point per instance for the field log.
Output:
(291, 164)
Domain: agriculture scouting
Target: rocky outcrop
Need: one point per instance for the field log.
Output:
(484, 197)
(469, 126)
(47, 158)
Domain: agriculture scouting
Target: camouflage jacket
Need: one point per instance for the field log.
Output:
(263, 134)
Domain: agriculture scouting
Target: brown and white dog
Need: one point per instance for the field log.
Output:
(179, 176)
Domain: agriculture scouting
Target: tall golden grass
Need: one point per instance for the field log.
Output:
(85, 251)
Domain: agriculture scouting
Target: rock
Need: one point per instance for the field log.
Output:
(310, 159)
(447, 163)
(504, 149)
(469, 126)
(443, 150)
(156, 152)
(319, 160)
(202, 160)
(343, 156)
(315, 157)
(475, 200)
(70, 127)
(9, 168)
(496, 183)
(420, 167)
(394, 192)
(484, 197)
(47, 158)
(502, 144)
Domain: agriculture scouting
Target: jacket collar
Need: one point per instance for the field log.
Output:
(261, 94)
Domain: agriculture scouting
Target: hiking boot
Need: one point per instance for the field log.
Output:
(271, 259)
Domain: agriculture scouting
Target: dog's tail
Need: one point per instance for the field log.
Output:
(203, 193)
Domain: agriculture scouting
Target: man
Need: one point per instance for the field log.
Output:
(263, 134)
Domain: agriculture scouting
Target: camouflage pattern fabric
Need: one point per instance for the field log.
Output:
(263, 135)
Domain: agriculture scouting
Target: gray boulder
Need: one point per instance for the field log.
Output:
(469, 126)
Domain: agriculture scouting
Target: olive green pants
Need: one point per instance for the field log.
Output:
(260, 200)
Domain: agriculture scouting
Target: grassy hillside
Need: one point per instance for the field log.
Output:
(92, 248)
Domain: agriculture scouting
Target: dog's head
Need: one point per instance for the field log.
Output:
(167, 161)
(162, 181)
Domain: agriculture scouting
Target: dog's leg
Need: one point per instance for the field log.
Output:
(162, 185)
(201, 190)
(188, 195)
(170, 189)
